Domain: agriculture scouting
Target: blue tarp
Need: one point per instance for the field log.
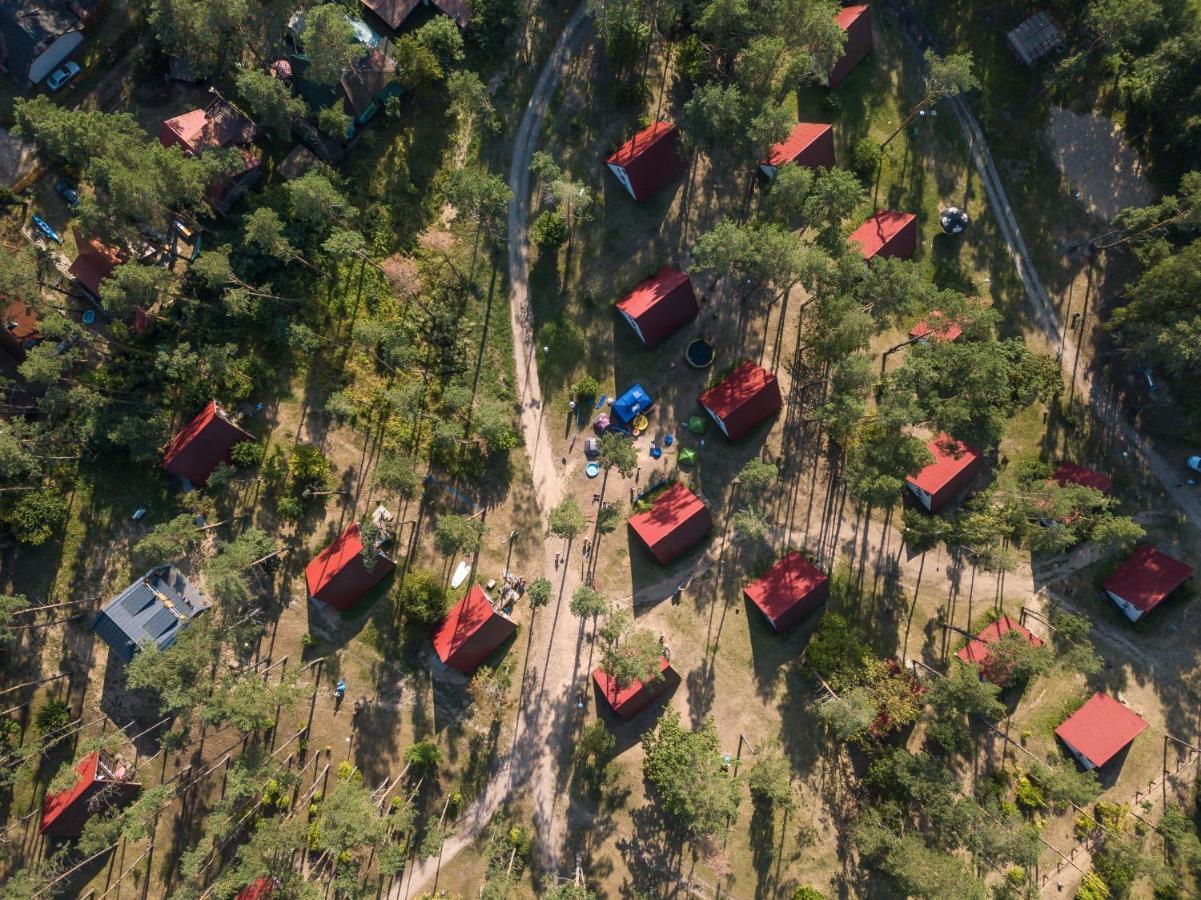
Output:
(634, 401)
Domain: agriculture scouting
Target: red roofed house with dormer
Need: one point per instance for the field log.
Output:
(338, 575)
(979, 649)
(743, 399)
(790, 590)
(203, 444)
(649, 160)
(471, 631)
(811, 145)
(1145, 580)
(887, 233)
(955, 465)
(660, 305)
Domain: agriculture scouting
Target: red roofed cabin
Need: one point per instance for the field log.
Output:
(790, 590)
(1100, 730)
(337, 575)
(955, 465)
(21, 331)
(937, 326)
(220, 124)
(629, 701)
(660, 305)
(811, 145)
(1067, 473)
(101, 786)
(677, 520)
(94, 263)
(471, 631)
(887, 233)
(978, 649)
(856, 22)
(742, 399)
(649, 160)
(1145, 580)
(258, 890)
(203, 444)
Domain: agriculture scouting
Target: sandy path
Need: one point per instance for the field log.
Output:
(553, 661)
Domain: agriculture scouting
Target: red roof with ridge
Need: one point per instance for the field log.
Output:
(1068, 473)
(203, 444)
(676, 521)
(471, 631)
(637, 696)
(1101, 729)
(887, 233)
(650, 159)
(661, 305)
(951, 457)
(790, 589)
(743, 399)
(805, 136)
(338, 576)
(1147, 578)
(978, 649)
(938, 325)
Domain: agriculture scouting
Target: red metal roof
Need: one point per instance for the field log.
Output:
(977, 650)
(636, 696)
(471, 631)
(257, 890)
(94, 263)
(792, 587)
(887, 233)
(1068, 473)
(25, 326)
(1100, 729)
(943, 329)
(676, 521)
(946, 466)
(743, 399)
(650, 159)
(661, 304)
(804, 135)
(848, 15)
(1147, 577)
(202, 445)
(54, 805)
(337, 575)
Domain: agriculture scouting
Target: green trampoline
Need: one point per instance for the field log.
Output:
(696, 424)
(688, 457)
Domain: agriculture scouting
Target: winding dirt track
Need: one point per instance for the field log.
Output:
(553, 663)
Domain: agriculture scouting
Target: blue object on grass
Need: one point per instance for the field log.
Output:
(656, 452)
(45, 228)
(592, 470)
(601, 401)
(668, 441)
(634, 401)
(89, 316)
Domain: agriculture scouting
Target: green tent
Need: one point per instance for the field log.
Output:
(696, 424)
(688, 457)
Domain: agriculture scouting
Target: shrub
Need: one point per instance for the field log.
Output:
(289, 509)
(37, 515)
(865, 159)
(423, 755)
(585, 388)
(308, 466)
(51, 716)
(549, 231)
(1029, 796)
(247, 454)
(421, 597)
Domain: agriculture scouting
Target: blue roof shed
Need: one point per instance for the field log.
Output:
(634, 401)
(151, 610)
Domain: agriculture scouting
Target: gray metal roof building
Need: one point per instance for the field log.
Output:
(151, 610)
(1035, 38)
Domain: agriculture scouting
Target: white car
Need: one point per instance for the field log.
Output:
(60, 76)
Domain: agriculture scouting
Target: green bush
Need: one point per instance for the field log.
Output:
(421, 597)
(51, 716)
(586, 388)
(549, 231)
(865, 159)
(1029, 795)
(247, 454)
(37, 515)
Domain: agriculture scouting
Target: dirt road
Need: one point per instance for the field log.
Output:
(552, 673)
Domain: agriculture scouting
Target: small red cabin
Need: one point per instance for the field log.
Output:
(887, 233)
(955, 465)
(471, 631)
(93, 263)
(338, 576)
(660, 305)
(978, 649)
(1145, 580)
(22, 329)
(203, 444)
(811, 145)
(1067, 473)
(649, 160)
(677, 520)
(1100, 730)
(790, 590)
(101, 786)
(856, 22)
(743, 399)
(936, 326)
(634, 698)
(258, 890)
